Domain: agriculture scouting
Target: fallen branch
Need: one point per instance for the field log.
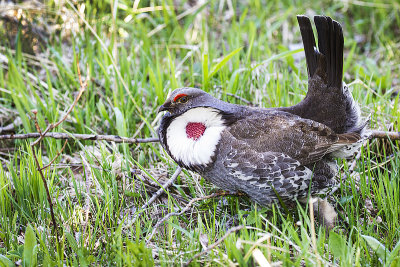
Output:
(156, 195)
(212, 246)
(163, 188)
(93, 137)
(11, 127)
(384, 135)
(120, 139)
(186, 208)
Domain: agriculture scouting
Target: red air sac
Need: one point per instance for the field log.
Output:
(195, 130)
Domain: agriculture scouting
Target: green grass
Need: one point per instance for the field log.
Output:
(134, 59)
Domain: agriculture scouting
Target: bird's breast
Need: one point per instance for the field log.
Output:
(192, 138)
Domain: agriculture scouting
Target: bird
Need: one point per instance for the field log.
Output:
(272, 155)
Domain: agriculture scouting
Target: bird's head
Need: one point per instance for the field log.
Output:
(183, 99)
(192, 128)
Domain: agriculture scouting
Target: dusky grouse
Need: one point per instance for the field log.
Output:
(266, 152)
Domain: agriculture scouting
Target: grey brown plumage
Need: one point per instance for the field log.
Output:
(268, 154)
(263, 153)
(287, 151)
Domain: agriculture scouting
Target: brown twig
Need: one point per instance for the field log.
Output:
(163, 188)
(156, 195)
(39, 169)
(212, 246)
(54, 159)
(93, 137)
(41, 135)
(120, 139)
(384, 135)
(81, 90)
(186, 208)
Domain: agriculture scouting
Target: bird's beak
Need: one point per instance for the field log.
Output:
(165, 106)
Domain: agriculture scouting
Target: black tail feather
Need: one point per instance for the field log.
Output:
(330, 44)
(307, 35)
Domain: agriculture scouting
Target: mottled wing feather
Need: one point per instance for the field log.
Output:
(303, 140)
(267, 174)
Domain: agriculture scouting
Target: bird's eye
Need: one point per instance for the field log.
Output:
(183, 99)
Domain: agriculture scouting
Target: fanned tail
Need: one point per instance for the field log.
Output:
(328, 99)
(328, 61)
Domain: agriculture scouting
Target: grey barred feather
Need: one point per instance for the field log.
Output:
(267, 173)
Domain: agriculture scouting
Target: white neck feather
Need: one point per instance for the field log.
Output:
(200, 151)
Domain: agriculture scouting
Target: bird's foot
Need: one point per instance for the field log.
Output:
(326, 213)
